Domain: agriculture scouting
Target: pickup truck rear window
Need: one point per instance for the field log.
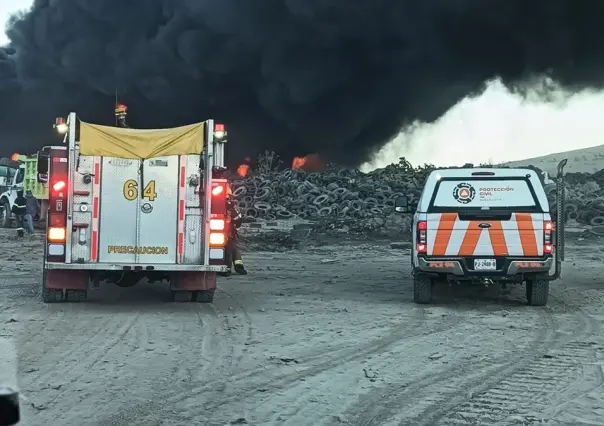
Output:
(480, 193)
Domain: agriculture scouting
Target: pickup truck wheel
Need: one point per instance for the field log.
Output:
(537, 292)
(5, 220)
(422, 288)
(205, 296)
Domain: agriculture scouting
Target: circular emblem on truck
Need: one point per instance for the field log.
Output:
(464, 193)
(146, 208)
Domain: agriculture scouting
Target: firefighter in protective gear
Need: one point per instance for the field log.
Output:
(19, 210)
(233, 255)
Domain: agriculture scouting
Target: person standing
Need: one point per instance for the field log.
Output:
(32, 209)
(19, 209)
(233, 255)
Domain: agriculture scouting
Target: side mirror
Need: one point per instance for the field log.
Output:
(42, 167)
(401, 204)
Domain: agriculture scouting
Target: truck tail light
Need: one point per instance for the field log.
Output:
(59, 185)
(56, 231)
(56, 220)
(218, 191)
(217, 239)
(217, 225)
(219, 197)
(422, 241)
(56, 235)
(548, 228)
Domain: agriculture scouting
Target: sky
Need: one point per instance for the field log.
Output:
(494, 127)
(6, 8)
(498, 126)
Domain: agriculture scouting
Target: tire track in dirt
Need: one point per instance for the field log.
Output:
(198, 340)
(60, 358)
(429, 399)
(301, 406)
(87, 355)
(528, 391)
(243, 326)
(270, 380)
(546, 384)
(75, 319)
(305, 412)
(230, 328)
(420, 394)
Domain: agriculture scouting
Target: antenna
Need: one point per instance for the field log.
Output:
(116, 103)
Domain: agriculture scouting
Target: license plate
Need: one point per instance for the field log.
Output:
(485, 264)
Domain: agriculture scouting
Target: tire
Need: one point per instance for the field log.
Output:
(422, 288)
(182, 296)
(205, 296)
(6, 220)
(75, 295)
(50, 295)
(537, 292)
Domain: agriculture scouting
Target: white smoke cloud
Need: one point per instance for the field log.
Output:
(499, 126)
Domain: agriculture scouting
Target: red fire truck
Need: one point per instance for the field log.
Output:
(127, 205)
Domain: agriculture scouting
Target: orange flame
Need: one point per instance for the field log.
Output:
(243, 170)
(15, 157)
(308, 163)
(298, 163)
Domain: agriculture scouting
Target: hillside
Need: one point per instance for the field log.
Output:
(587, 160)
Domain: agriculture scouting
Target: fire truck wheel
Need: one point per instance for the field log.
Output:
(422, 288)
(181, 296)
(537, 292)
(52, 295)
(205, 296)
(5, 220)
(75, 295)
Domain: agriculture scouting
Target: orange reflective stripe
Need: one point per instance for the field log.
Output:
(500, 247)
(443, 234)
(470, 240)
(527, 234)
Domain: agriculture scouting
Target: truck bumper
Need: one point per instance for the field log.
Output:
(506, 267)
(135, 267)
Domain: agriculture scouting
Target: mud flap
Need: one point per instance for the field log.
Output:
(57, 279)
(560, 220)
(193, 281)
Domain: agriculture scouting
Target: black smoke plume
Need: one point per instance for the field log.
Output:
(338, 77)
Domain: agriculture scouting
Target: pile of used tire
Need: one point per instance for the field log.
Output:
(584, 197)
(357, 201)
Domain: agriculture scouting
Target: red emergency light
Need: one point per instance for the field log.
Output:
(219, 131)
(59, 186)
(217, 190)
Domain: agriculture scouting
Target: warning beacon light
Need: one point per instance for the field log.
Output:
(121, 109)
(60, 125)
(219, 131)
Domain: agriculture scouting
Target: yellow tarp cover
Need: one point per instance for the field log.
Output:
(140, 144)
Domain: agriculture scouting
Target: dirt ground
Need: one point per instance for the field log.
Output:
(319, 336)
